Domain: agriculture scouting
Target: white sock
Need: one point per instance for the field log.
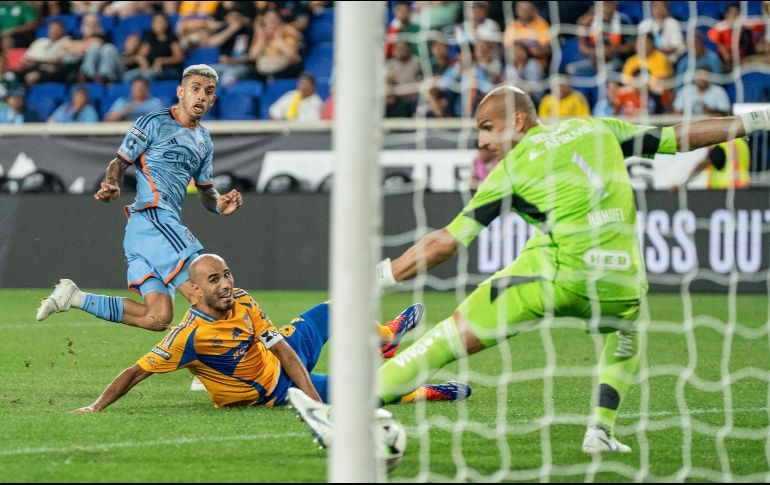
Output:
(77, 299)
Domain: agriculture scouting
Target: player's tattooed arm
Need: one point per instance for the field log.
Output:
(224, 204)
(110, 186)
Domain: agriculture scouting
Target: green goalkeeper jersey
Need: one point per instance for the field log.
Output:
(571, 182)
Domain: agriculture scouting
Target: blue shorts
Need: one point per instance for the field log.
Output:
(307, 336)
(159, 250)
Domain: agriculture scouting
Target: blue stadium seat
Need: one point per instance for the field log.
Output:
(46, 97)
(320, 60)
(680, 10)
(756, 87)
(116, 91)
(272, 92)
(202, 55)
(240, 101)
(165, 91)
(633, 9)
(129, 25)
(108, 23)
(569, 52)
(711, 9)
(320, 30)
(71, 24)
(322, 86)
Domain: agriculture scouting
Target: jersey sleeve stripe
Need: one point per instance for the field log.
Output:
(143, 167)
(124, 158)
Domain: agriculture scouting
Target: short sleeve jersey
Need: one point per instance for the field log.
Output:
(230, 356)
(570, 181)
(167, 155)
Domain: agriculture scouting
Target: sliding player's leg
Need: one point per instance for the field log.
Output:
(500, 307)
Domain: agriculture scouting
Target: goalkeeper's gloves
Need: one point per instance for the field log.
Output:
(756, 121)
(385, 276)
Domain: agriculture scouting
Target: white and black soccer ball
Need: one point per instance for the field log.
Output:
(391, 438)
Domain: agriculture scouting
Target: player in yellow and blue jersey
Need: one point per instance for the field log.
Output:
(230, 344)
(169, 148)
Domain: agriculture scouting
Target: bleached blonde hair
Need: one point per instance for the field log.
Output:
(200, 70)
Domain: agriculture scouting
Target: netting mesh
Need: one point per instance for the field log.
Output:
(699, 405)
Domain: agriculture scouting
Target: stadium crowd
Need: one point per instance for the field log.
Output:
(86, 61)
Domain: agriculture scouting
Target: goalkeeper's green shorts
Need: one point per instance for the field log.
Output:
(519, 296)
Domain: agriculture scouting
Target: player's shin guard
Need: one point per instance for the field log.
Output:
(415, 364)
(619, 362)
(105, 307)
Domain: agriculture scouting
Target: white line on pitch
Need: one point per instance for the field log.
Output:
(136, 444)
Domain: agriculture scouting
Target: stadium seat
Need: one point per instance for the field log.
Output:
(756, 88)
(46, 97)
(272, 92)
(320, 30)
(116, 91)
(320, 61)
(165, 91)
(680, 10)
(711, 9)
(202, 55)
(569, 52)
(322, 86)
(129, 25)
(633, 9)
(240, 101)
(14, 57)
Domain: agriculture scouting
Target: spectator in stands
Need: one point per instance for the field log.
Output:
(295, 14)
(403, 73)
(192, 28)
(275, 48)
(436, 15)
(483, 164)
(702, 97)
(124, 9)
(16, 111)
(466, 82)
(233, 41)
(704, 58)
(161, 51)
(525, 72)
(762, 46)
(130, 57)
(478, 25)
(139, 103)
(608, 27)
(722, 36)
(401, 24)
(609, 106)
(78, 110)
(649, 60)
(302, 104)
(47, 59)
(665, 30)
(18, 21)
(440, 60)
(101, 59)
(218, 21)
(531, 29)
(8, 80)
(86, 7)
(568, 103)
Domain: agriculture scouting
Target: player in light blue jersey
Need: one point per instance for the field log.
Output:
(168, 148)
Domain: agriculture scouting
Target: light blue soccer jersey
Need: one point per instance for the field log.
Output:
(167, 154)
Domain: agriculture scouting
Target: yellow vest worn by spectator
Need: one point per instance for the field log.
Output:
(735, 172)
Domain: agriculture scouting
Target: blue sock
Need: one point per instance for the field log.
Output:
(105, 307)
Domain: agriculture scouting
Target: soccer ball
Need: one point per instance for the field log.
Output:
(391, 438)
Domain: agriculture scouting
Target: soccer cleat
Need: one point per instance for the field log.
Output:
(597, 440)
(315, 414)
(403, 323)
(197, 385)
(448, 391)
(58, 300)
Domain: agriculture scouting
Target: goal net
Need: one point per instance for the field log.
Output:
(698, 406)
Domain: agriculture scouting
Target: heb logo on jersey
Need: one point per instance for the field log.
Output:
(607, 259)
(162, 353)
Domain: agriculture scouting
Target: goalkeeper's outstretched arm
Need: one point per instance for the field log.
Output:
(431, 250)
(703, 133)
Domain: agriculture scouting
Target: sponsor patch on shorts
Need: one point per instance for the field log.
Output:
(162, 353)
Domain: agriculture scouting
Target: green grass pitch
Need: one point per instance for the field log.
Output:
(519, 425)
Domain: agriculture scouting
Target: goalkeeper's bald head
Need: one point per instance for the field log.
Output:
(507, 100)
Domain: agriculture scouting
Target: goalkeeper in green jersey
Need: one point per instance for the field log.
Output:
(569, 180)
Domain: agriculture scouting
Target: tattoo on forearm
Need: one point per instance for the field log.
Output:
(115, 172)
(209, 199)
